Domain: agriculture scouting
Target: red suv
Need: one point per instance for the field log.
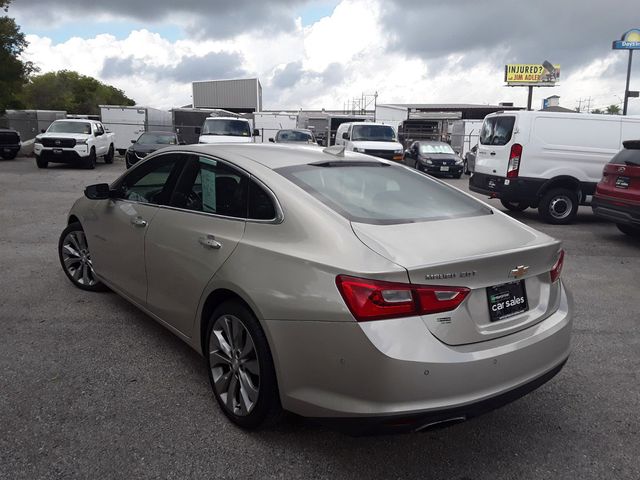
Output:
(617, 195)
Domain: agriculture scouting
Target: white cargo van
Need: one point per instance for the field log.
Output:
(226, 130)
(547, 160)
(375, 139)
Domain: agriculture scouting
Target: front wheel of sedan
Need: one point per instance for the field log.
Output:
(241, 368)
(75, 259)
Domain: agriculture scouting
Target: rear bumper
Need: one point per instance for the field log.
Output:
(379, 373)
(521, 189)
(439, 418)
(617, 211)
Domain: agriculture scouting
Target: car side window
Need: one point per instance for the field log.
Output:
(99, 129)
(261, 205)
(153, 181)
(210, 186)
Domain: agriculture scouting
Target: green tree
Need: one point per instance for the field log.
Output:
(613, 110)
(13, 71)
(72, 92)
(597, 110)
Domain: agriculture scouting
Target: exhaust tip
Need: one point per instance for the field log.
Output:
(447, 422)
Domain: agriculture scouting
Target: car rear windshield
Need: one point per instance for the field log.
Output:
(628, 156)
(232, 128)
(497, 130)
(378, 193)
(70, 127)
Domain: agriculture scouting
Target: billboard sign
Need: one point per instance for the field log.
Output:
(536, 75)
(629, 41)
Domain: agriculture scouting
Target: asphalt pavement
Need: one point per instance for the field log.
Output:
(90, 387)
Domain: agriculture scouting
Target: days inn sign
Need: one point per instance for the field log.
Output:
(629, 41)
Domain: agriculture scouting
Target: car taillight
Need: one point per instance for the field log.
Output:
(514, 160)
(377, 300)
(556, 270)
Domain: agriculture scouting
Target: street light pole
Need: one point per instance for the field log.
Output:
(626, 90)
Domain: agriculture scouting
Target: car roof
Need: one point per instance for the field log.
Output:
(272, 155)
(226, 118)
(433, 142)
(159, 132)
(76, 120)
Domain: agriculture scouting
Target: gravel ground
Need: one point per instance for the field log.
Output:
(92, 388)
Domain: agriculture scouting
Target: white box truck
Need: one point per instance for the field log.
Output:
(547, 160)
(128, 123)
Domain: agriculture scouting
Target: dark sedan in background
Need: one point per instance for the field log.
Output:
(148, 143)
(295, 136)
(9, 143)
(435, 158)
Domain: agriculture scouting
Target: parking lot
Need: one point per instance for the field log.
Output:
(90, 387)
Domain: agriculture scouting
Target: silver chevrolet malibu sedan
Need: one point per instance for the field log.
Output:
(331, 284)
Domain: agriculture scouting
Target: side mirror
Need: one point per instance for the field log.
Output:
(99, 191)
(256, 132)
(345, 135)
(198, 130)
(42, 130)
(272, 140)
(133, 141)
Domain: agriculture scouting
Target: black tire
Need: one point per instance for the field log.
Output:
(108, 158)
(98, 286)
(558, 206)
(90, 161)
(417, 166)
(10, 155)
(41, 163)
(514, 206)
(267, 409)
(629, 230)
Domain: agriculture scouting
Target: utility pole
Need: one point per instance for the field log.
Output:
(626, 89)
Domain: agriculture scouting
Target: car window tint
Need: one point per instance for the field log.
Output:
(207, 185)
(382, 194)
(151, 182)
(260, 203)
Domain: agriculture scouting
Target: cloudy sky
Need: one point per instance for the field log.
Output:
(322, 53)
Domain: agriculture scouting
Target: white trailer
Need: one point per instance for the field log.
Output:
(128, 123)
(268, 124)
(464, 135)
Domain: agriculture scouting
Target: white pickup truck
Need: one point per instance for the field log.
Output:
(78, 142)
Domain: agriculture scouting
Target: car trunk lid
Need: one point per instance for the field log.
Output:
(499, 251)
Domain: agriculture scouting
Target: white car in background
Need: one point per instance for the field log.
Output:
(226, 130)
(376, 139)
(78, 142)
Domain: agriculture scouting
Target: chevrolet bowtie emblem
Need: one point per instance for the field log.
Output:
(519, 271)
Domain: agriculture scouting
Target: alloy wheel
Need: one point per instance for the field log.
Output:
(234, 365)
(76, 258)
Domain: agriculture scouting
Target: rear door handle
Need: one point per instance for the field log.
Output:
(492, 153)
(209, 241)
(138, 222)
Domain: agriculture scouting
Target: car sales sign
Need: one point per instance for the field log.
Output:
(629, 41)
(540, 75)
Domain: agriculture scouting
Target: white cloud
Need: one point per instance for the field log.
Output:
(338, 58)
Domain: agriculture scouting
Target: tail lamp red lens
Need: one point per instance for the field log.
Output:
(514, 160)
(556, 270)
(377, 300)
